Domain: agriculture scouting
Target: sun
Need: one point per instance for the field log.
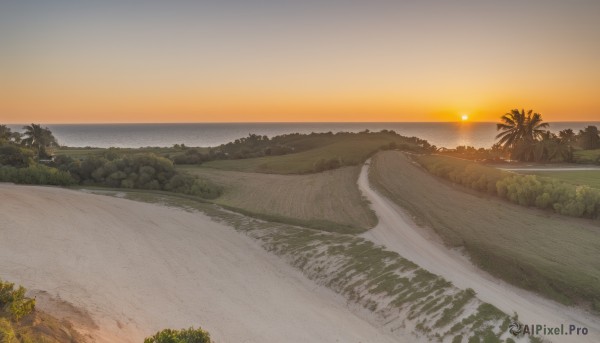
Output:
(464, 117)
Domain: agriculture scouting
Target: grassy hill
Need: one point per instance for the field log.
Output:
(325, 151)
(328, 201)
(548, 253)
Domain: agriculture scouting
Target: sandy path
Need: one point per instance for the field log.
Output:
(137, 268)
(399, 233)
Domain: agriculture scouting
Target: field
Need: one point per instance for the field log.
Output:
(587, 156)
(329, 200)
(347, 150)
(577, 177)
(551, 254)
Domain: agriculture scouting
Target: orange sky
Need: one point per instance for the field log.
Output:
(284, 61)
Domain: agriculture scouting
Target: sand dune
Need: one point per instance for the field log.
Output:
(136, 268)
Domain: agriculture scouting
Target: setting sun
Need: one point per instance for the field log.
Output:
(464, 117)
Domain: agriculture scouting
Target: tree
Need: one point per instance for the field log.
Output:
(550, 147)
(589, 138)
(520, 132)
(39, 138)
(567, 136)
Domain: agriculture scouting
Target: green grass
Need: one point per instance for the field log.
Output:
(350, 150)
(328, 201)
(587, 156)
(576, 177)
(551, 254)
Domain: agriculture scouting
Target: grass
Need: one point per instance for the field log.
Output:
(587, 156)
(576, 177)
(551, 254)
(329, 200)
(379, 280)
(349, 150)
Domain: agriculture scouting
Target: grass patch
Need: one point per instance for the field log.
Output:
(575, 177)
(587, 156)
(551, 254)
(327, 201)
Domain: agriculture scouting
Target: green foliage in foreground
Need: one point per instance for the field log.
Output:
(190, 335)
(526, 190)
(13, 301)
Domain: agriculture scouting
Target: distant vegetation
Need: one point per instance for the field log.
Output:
(21, 162)
(318, 152)
(527, 190)
(190, 335)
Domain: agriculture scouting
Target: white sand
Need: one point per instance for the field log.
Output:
(398, 232)
(137, 268)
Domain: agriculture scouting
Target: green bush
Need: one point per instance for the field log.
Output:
(525, 190)
(190, 335)
(16, 156)
(14, 302)
(140, 171)
(36, 175)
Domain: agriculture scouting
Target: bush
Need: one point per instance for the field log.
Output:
(190, 335)
(14, 302)
(13, 155)
(141, 171)
(525, 190)
(36, 175)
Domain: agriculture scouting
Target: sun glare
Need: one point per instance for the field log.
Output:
(464, 117)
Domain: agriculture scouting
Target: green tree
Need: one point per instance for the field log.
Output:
(519, 133)
(589, 138)
(39, 138)
(567, 136)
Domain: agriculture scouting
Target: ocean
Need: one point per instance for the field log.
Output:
(447, 135)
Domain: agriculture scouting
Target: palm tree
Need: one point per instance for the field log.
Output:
(39, 138)
(567, 136)
(520, 132)
(589, 138)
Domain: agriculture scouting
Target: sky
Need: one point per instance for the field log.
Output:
(288, 61)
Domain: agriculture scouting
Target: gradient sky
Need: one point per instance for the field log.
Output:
(327, 60)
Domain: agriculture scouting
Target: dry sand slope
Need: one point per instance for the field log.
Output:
(137, 268)
(398, 232)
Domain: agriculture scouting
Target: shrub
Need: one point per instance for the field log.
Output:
(13, 155)
(36, 175)
(14, 301)
(525, 190)
(190, 335)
